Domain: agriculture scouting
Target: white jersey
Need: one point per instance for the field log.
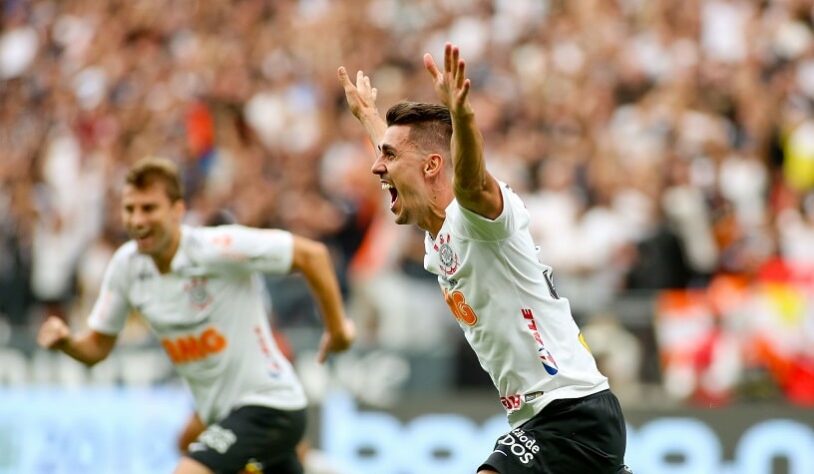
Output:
(209, 314)
(503, 298)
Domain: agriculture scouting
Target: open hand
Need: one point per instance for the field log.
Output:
(361, 97)
(451, 85)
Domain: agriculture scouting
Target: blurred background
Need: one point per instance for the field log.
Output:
(664, 148)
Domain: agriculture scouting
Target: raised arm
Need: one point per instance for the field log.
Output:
(88, 347)
(313, 260)
(475, 189)
(361, 100)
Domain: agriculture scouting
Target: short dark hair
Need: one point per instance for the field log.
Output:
(430, 124)
(147, 171)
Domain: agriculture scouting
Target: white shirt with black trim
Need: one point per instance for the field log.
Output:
(210, 314)
(503, 298)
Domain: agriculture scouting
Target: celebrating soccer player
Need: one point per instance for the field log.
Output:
(564, 418)
(199, 290)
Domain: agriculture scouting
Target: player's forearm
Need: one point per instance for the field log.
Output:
(329, 299)
(325, 286)
(374, 125)
(313, 260)
(467, 156)
(88, 348)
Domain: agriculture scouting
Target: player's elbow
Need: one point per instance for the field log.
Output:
(95, 347)
(470, 193)
(309, 255)
(98, 356)
(90, 362)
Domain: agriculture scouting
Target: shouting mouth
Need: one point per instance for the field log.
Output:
(394, 194)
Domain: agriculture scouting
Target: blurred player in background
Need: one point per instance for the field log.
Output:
(564, 418)
(199, 290)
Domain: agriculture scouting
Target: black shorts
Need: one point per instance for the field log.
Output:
(260, 437)
(570, 436)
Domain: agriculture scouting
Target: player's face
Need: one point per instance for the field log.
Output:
(151, 219)
(399, 168)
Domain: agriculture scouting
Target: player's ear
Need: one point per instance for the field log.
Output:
(433, 165)
(179, 208)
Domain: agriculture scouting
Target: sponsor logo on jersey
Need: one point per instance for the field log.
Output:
(273, 368)
(520, 444)
(460, 309)
(546, 358)
(223, 241)
(512, 403)
(531, 396)
(446, 255)
(194, 347)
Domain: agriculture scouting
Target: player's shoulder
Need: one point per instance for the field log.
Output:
(197, 242)
(126, 253)
(513, 207)
(510, 196)
(127, 261)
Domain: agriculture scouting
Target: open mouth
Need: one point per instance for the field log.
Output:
(142, 237)
(394, 194)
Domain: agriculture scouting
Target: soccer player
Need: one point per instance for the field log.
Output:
(200, 291)
(563, 417)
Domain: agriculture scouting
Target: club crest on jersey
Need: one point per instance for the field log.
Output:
(446, 255)
(199, 297)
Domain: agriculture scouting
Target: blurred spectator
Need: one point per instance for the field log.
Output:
(658, 144)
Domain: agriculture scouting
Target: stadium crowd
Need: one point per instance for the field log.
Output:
(661, 144)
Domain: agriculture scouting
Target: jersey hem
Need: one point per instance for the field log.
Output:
(563, 393)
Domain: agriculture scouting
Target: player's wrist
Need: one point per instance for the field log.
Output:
(343, 335)
(368, 114)
(62, 345)
(463, 114)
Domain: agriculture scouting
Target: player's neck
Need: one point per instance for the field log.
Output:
(163, 261)
(435, 216)
(432, 225)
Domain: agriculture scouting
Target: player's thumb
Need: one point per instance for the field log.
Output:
(51, 332)
(322, 354)
(343, 76)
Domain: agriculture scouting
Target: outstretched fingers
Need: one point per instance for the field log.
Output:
(450, 57)
(344, 79)
(360, 80)
(360, 96)
(363, 84)
(429, 65)
(460, 74)
(463, 93)
(342, 74)
(451, 84)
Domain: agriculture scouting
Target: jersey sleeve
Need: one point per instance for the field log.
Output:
(477, 227)
(110, 311)
(246, 249)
